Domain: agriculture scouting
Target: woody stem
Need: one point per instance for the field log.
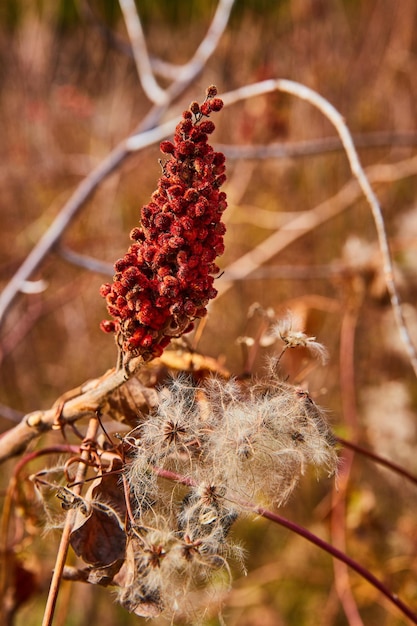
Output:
(66, 533)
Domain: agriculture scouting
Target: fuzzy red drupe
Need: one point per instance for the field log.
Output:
(165, 280)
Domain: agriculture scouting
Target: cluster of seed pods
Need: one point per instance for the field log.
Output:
(165, 280)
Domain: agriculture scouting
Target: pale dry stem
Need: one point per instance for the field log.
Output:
(65, 537)
(155, 93)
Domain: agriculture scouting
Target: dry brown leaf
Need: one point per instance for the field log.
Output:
(98, 536)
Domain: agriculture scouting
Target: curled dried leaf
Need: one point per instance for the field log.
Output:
(99, 537)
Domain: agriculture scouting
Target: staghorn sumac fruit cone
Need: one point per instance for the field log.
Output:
(165, 280)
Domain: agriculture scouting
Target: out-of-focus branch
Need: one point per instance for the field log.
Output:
(299, 149)
(71, 208)
(209, 43)
(87, 262)
(10, 414)
(145, 135)
(204, 51)
(179, 74)
(329, 111)
(338, 515)
(155, 93)
(287, 234)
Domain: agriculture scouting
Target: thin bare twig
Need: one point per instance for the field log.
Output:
(83, 260)
(394, 467)
(329, 111)
(204, 50)
(337, 554)
(10, 414)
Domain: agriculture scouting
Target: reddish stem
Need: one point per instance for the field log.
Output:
(337, 554)
(304, 532)
(378, 459)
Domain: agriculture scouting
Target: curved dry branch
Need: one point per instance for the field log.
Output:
(379, 460)
(155, 93)
(204, 50)
(178, 73)
(329, 111)
(337, 554)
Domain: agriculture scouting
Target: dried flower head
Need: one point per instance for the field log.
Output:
(165, 280)
(230, 442)
(245, 442)
(267, 436)
(284, 329)
(162, 534)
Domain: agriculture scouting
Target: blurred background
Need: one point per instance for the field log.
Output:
(69, 93)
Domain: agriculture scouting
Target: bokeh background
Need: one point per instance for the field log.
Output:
(69, 93)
